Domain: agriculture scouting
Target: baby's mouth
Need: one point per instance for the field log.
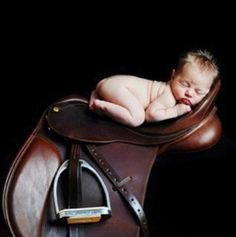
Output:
(185, 101)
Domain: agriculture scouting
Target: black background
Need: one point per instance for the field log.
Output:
(46, 58)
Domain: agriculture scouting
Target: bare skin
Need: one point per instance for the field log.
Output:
(132, 100)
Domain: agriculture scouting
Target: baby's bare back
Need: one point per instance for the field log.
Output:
(143, 89)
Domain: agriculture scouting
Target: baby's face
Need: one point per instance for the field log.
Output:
(190, 85)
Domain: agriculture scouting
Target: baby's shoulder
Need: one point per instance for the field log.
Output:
(159, 86)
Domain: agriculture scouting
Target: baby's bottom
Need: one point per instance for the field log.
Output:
(126, 109)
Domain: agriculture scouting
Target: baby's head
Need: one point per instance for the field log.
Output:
(194, 76)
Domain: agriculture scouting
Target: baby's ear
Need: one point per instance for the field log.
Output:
(173, 73)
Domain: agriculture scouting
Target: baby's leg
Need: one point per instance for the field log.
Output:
(126, 109)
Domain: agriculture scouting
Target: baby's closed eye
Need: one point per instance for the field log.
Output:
(184, 83)
(201, 92)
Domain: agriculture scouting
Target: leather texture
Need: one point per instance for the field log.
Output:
(123, 159)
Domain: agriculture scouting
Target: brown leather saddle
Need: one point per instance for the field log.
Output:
(79, 174)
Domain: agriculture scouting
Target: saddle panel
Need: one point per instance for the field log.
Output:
(28, 186)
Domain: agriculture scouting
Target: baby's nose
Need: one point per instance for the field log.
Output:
(189, 93)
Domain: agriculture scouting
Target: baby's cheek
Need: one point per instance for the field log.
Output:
(180, 92)
(199, 99)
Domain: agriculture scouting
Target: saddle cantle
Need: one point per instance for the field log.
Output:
(79, 174)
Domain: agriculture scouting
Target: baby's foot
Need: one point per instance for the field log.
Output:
(93, 97)
(98, 106)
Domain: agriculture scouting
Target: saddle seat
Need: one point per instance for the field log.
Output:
(71, 118)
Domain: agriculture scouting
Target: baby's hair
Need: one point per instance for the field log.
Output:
(203, 59)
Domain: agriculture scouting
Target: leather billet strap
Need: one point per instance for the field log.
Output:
(121, 188)
(75, 189)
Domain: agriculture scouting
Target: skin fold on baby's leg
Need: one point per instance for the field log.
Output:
(127, 109)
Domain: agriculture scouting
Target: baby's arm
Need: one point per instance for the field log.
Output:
(157, 112)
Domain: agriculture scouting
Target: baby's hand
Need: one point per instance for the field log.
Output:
(182, 109)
